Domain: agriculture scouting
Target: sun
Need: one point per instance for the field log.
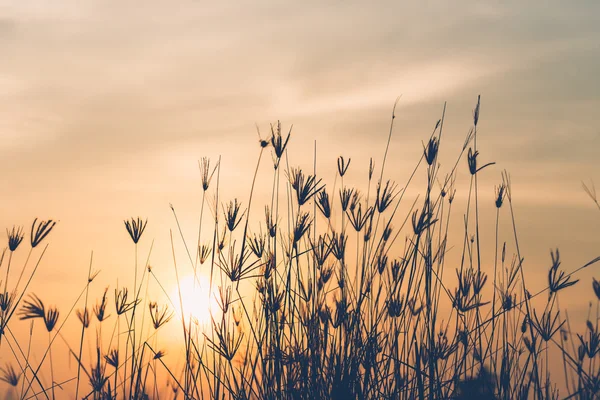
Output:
(195, 298)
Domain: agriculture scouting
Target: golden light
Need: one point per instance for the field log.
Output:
(196, 299)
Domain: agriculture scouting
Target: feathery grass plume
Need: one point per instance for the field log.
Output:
(398, 270)
(204, 252)
(324, 204)
(507, 300)
(51, 318)
(6, 300)
(596, 287)
(382, 262)
(237, 315)
(591, 192)
(357, 218)
(235, 267)
(135, 228)
(470, 284)
(304, 186)
(546, 326)
(421, 221)
(93, 275)
(278, 143)
(221, 242)
(43, 229)
(232, 214)
(34, 308)
(15, 237)
(306, 290)
(84, 316)
(112, 358)
(592, 344)
(205, 174)
(260, 286)
(500, 194)
(273, 299)
(121, 304)
(581, 351)
(557, 280)
(394, 306)
(100, 308)
(341, 312)
(326, 272)
(226, 343)
(345, 196)
(97, 376)
(224, 299)
(355, 200)
(387, 232)
(269, 265)
(9, 375)
(321, 249)
(385, 197)
(159, 315)
(270, 222)
(431, 150)
(338, 248)
(343, 166)
(159, 354)
(302, 226)
(476, 111)
(472, 162)
(257, 244)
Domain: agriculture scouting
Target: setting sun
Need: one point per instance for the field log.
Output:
(195, 299)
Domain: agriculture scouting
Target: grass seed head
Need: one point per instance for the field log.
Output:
(135, 227)
(15, 237)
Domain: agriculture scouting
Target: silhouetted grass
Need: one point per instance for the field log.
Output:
(328, 301)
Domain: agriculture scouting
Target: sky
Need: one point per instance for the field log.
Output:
(107, 106)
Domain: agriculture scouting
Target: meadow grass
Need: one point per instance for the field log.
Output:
(331, 293)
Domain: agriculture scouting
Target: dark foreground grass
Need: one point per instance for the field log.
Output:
(331, 293)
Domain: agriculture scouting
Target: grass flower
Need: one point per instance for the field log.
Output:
(40, 232)
(135, 228)
(302, 226)
(232, 215)
(9, 375)
(121, 304)
(385, 197)
(100, 308)
(34, 308)
(112, 358)
(431, 150)
(324, 204)
(159, 315)
(204, 252)
(205, 173)
(279, 144)
(345, 196)
(546, 326)
(15, 237)
(596, 287)
(305, 186)
(84, 316)
(557, 280)
(343, 166)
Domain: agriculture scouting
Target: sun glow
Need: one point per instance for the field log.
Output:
(195, 298)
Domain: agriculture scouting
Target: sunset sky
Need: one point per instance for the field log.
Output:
(107, 106)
